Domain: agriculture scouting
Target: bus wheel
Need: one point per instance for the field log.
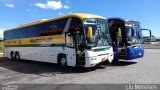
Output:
(63, 60)
(17, 56)
(115, 61)
(12, 55)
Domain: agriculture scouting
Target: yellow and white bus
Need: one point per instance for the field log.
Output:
(70, 40)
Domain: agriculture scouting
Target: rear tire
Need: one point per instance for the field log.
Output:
(17, 56)
(12, 55)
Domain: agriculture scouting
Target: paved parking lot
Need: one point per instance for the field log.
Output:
(152, 46)
(141, 71)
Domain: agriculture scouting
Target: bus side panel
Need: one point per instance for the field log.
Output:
(6, 52)
(32, 53)
(28, 53)
(53, 52)
(43, 54)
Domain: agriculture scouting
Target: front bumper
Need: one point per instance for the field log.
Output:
(93, 61)
(133, 53)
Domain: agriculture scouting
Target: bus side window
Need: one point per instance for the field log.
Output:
(53, 27)
(75, 24)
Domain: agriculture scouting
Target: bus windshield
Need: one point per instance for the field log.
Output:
(132, 35)
(134, 32)
(100, 32)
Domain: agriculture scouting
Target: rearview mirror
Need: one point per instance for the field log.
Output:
(90, 32)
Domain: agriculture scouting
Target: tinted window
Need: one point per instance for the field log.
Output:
(75, 24)
(5, 36)
(31, 31)
(15, 34)
(9, 35)
(53, 27)
(45, 29)
(23, 33)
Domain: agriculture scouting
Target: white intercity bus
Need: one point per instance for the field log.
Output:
(70, 40)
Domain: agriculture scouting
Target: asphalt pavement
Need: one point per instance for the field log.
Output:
(144, 70)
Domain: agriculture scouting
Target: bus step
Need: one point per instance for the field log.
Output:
(123, 50)
(122, 53)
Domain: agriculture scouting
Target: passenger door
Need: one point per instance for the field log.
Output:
(70, 50)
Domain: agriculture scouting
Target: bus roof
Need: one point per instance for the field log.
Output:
(122, 19)
(77, 15)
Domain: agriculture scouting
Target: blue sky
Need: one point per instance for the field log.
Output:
(16, 12)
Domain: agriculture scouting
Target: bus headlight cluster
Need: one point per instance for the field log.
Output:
(94, 59)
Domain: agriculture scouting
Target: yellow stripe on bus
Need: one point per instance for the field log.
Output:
(55, 39)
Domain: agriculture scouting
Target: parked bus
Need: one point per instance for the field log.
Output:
(70, 40)
(127, 39)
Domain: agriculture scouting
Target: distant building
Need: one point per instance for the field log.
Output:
(158, 39)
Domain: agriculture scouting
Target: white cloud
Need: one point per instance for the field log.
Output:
(52, 5)
(66, 7)
(61, 14)
(10, 5)
(41, 5)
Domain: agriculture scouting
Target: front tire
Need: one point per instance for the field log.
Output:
(115, 61)
(63, 61)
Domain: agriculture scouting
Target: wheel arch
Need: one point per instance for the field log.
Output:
(59, 56)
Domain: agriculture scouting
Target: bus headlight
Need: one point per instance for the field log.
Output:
(94, 59)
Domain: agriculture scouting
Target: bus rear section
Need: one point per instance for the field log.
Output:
(127, 39)
(71, 40)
